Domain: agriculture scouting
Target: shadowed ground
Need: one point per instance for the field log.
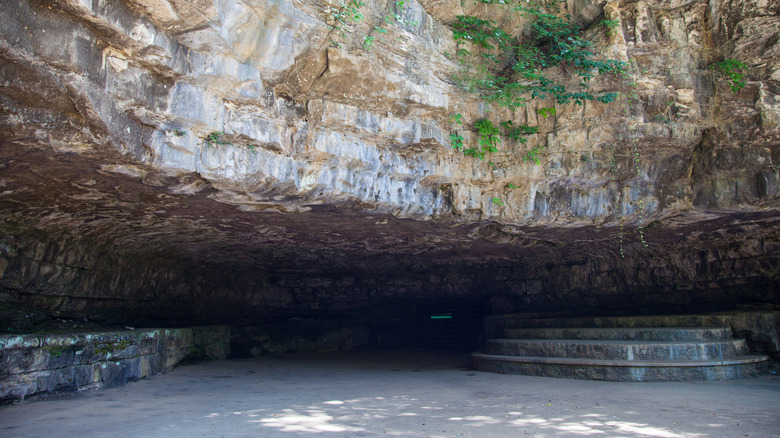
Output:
(396, 393)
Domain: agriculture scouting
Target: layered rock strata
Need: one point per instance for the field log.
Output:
(173, 161)
(34, 365)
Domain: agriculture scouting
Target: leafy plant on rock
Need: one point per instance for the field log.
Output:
(455, 138)
(215, 138)
(346, 14)
(518, 132)
(734, 70)
(342, 17)
(489, 135)
(546, 112)
(533, 155)
(513, 70)
(610, 25)
(457, 141)
(510, 71)
(489, 138)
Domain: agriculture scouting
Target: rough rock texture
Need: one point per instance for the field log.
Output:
(170, 162)
(40, 364)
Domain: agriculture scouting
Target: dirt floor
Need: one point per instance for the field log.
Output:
(395, 393)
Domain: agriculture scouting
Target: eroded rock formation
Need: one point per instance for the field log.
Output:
(170, 162)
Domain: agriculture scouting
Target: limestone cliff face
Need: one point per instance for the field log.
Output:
(178, 130)
(305, 122)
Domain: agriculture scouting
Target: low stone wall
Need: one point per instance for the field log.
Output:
(38, 364)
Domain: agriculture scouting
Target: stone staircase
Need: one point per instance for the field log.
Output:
(636, 349)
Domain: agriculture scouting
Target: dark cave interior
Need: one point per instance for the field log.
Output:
(83, 241)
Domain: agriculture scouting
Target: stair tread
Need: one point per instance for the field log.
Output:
(521, 320)
(613, 341)
(738, 360)
(665, 317)
(697, 328)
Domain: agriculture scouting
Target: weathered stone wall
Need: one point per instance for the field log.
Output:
(32, 365)
(308, 120)
(702, 267)
(73, 277)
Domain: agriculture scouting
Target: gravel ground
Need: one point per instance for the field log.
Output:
(413, 393)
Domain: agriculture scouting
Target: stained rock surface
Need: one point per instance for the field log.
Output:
(239, 162)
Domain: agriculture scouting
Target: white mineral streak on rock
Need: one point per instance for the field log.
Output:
(314, 123)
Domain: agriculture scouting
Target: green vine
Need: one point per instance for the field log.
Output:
(518, 132)
(346, 14)
(546, 112)
(455, 138)
(609, 25)
(368, 41)
(457, 141)
(612, 164)
(510, 71)
(631, 100)
(533, 155)
(216, 138)
(342, 18)
(734, 71)
(640, 209)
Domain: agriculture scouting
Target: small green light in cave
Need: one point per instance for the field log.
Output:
(441, 316)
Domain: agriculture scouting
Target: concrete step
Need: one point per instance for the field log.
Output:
(623, 370)
(628, 348)
(636, 334)
(642, 321)
(618, 349)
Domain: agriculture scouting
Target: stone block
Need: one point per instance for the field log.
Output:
(39, 364)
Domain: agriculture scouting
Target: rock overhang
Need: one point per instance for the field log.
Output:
(329, 184)
(189, 256)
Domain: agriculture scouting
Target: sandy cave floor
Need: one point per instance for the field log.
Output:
(395, 393)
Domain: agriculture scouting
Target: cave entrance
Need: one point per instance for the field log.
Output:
(451, 324)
